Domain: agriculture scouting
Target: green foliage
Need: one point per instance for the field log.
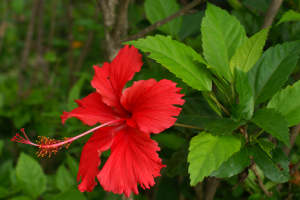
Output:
(31, 176)
(4, 193)
(160, 9)
(222, 126)
(246, 106)
(269, 165)
(63, 179)
(248, 54)
(209, 96)
(207, 152)
(74, 93)
(221, 35)
(272, 69)
(73, 165)
(72, 194)
(235, 164)
(287, 102)
(272, 122)
(178, 58)
(266, 145)
(169, 140)
(251, 180)
(178, 164)
(33, 94)
(195, 112)
(289, 16)
(1, 146)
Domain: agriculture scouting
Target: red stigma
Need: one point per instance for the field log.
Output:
(20, 139)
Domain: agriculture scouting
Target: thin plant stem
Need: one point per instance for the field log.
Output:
(217, 102)
(232, 91)
(187, 126)
(258, 134)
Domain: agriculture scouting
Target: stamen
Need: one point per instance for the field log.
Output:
(49, 146)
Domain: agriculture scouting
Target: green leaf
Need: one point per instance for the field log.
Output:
(20, 198)
(195, 112)
(222, 35)
(272, 69)
(207, 152)
(254, 197)
(222, 126)
(246, 106)
(211, 102)
(248, 54)
(272, 122)
(270, 184)
(190, 24)
(18, 5)
(266, 145)
(234, 165)
(1, 146)
(289, 16)
(178, 164)
(72, 194)
(64, 180)
(73, 165)
(178, 58)
(160, 9)
(30, 176)
(269, 165)
(287, 102)
(74, 93)
(169, 140)
(3, 192)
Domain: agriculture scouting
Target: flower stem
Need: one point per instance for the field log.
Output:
(187, 126)
(217, 102)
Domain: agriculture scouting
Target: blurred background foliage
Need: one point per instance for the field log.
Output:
(47, 52)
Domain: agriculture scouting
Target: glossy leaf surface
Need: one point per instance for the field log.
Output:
(178, 58)
(207, 152)
(270, 72)
(272, 122)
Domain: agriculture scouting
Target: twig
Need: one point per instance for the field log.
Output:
(128, 198)
(294, 133)
(26, 48)
(3, 25)
(187, 126)
(40, 50)
(211, 187)
(87, 44)
(259, 181)
(70, 39)
(271, 13)
(199, 190)
(162, 22)
(53, 23)
(121, 18)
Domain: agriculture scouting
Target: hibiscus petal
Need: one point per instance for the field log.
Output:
(151, 104)
(110, 79)
(91, 111)
(133, 160)
(100, 141)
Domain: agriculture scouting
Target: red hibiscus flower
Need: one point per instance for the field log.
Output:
(145, 107)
